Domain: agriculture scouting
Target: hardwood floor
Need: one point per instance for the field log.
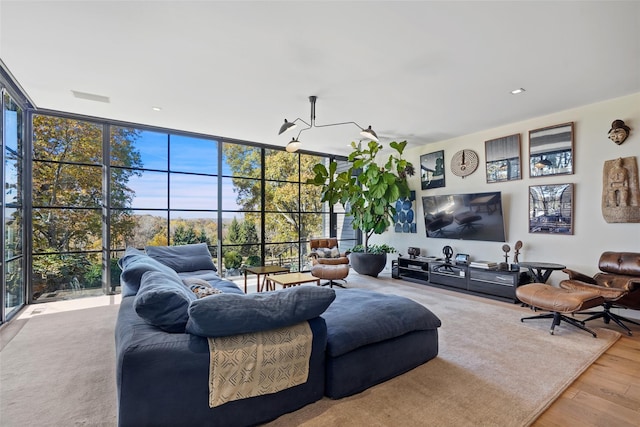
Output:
(606, 394)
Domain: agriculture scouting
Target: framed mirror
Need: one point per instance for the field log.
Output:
(551, 150)
(551, 209)
(503, 158)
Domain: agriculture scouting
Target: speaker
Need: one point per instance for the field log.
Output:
(394, 270)
(413, 252)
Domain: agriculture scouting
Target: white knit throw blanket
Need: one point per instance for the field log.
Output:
(255, 364)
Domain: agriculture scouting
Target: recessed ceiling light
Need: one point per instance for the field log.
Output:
(156, 108)
(517, 91)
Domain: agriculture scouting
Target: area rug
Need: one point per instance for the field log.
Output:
(492, 369)
(59, 369)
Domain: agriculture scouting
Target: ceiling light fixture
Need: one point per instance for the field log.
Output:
(294, 144)
(517, 91)
(156, 108)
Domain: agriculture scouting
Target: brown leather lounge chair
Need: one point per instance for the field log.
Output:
(618, 283)
(328, 262)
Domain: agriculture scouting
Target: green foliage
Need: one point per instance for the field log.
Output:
(55, 271)
(249, 238)
(254, 261)
(283, 196)
(245, 234)
(67, 172)
(232, 260)
(375, 249)
(367, 190)
(93, 276)
(233, 233)
(71, 176)
(185, 235)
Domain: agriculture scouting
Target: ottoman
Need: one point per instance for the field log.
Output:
(558, 301)
(372, 337)
(330, 272)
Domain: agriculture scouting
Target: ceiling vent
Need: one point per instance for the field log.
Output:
(90, 96)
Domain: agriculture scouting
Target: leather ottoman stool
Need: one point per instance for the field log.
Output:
(330, 272)
(559, 302)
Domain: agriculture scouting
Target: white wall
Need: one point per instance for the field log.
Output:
(591, 234)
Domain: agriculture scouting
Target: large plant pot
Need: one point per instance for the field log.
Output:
(368, 264)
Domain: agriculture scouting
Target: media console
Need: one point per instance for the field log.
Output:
(414, 269)
(497, 284)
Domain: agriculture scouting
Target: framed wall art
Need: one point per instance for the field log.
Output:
(551, 209)
(503, 159)
(551, 150)
(432, 170)
(405, 217)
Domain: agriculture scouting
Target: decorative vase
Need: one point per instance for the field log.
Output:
(368, 264)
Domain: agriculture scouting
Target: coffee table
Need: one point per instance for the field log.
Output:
(289, 279)
(258, 271)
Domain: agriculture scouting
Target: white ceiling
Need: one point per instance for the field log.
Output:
(421, 71)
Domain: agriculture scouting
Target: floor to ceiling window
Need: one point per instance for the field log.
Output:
(241, 210)
(13, 289)
(66, 220)
(163, 191)
(250, 204)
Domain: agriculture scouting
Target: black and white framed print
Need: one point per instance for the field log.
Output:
(432, 170)
(551, 209)
(551, 150)
(503, 158)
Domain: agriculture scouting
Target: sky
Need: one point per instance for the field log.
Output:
(187, 154)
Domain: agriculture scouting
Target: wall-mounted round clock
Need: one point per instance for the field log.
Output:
(464, 162)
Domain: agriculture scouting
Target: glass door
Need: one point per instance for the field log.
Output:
(13, 289)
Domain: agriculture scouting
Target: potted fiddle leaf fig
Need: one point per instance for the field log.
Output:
(368, 191)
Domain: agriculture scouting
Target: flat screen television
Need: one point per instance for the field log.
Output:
(471, 216)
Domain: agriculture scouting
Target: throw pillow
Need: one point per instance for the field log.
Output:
(201, 288)
(183, 258)
(202, 292)
(319, 253)
(231, 314)
(163, 301)
(191, 282)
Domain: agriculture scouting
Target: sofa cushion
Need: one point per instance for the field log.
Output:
(130, 254)
(163, 301)
(184, 257)
(230, 314)
(201, 274)
(134, 264)
(360, 317)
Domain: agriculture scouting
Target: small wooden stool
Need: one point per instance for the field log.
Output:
(558, 301)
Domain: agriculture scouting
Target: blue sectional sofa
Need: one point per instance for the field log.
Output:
(163, 348)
